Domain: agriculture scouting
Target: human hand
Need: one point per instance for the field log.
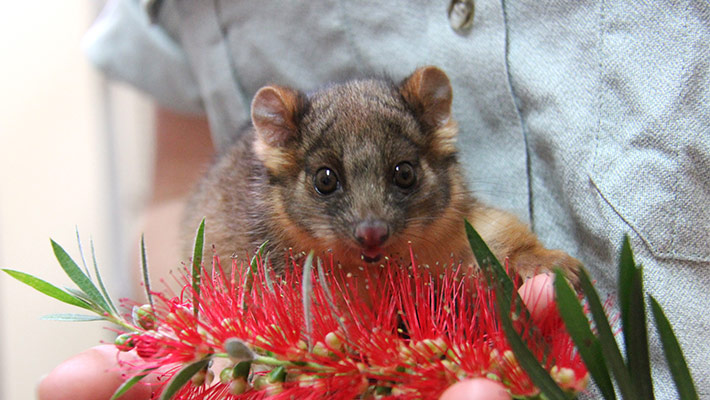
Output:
(90, 375)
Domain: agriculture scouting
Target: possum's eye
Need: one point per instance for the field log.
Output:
(404, 175)
(325, 181)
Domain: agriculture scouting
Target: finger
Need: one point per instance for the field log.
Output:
(538, 294)
(476, 389)
(91, 375)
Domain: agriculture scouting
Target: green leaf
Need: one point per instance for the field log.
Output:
(78, 277)
(489, 263)
(674, 354)
(254, 264)
(127, 385)
(249, 276)
(277, 374)
(182, 377)
(538, 375)
(81, 252)
(48, 289)
(307, 291)
(146, 273)
(633, 318)
(98, 278)
(267, 274)
(197, 266)
(587, 344)
(72, 317)
(242, 369)
(328, 294)
(495, 274)
(610, 349)
(498, 278)
(79, 294)
(626, 272)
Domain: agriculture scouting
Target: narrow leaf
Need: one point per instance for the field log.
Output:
(505, 289)
(98, 278)
(81, 252)
(258, 256)
(328, 294)
(609, 347)
(182, 377)
(307, 290)
(78, 277)
(72, 317)
(146, 273)
(127, 385)
(538, 375)
(197, 266)
(242, 369)
(488, 262)
(48, 289)
(495, 274)
(267, 274)
(626, 272)
(85, 298)
(587, 344)
(249, 276)
(633, 317)
(674, 354)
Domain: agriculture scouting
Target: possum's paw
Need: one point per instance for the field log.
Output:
(540, 260)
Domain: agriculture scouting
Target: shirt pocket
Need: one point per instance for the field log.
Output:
(651, 162)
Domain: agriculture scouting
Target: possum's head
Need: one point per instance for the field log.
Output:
(364, 167)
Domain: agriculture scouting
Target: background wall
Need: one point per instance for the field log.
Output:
(61, 167)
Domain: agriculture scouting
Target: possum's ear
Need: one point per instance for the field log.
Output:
(274, 113)
(428, 92)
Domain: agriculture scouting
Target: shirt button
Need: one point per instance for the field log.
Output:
(461, 15)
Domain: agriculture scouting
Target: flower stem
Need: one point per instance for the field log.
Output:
(275, 362)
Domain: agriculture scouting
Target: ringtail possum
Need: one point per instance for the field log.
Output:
(365, 169)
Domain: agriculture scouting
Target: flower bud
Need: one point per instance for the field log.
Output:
(226, 375)
(260, 382)
(310, 381)
(238, 386)
(144, 316)
(125, 342)
(320, 350)
(333, 341)
(563, 376)
(238, 350)
(509, 357)
(273, 389)
(209, 377)
(202, 377)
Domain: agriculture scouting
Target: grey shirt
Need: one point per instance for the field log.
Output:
(590, 120)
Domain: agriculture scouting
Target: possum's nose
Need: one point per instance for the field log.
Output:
(372, 234)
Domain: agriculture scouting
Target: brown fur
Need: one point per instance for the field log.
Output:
(263, 187)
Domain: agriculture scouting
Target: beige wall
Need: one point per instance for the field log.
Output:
(55, 174)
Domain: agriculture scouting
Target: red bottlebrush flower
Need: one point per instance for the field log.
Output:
(391, 331)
